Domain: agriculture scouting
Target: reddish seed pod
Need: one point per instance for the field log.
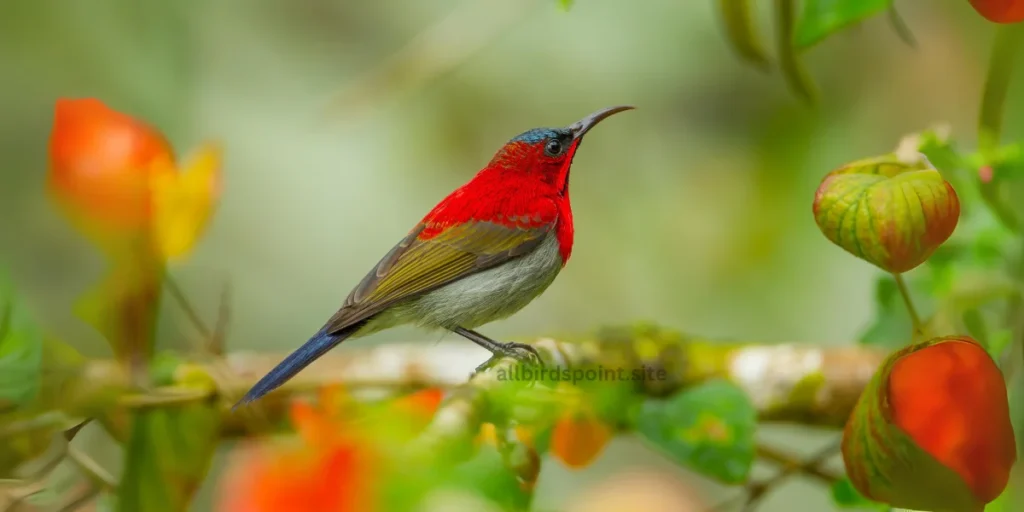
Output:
(1000, 11)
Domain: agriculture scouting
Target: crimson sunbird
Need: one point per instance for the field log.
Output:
(483, 253)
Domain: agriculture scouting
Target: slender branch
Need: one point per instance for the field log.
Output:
(807, 384)
(215, 342)
(754, 492)
(213, 338)
(84, 499)
(179, 297)
(98, 476)
(905, 293)
(811, 468)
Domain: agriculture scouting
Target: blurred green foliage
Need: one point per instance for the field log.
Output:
(709, 428)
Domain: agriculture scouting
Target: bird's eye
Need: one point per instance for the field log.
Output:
(553, 148)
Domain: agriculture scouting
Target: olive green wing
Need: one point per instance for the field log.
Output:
(419, 264)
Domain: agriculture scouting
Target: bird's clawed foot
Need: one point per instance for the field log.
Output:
(522, 352)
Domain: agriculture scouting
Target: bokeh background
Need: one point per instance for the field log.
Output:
(692, 211)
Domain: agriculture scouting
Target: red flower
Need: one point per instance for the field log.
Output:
(330, 471)
(117, 179)
(421, 404)
(1000, 11)
(100, 161)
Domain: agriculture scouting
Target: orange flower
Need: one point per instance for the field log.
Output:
(116, 177)
(422, 404)
(100, 162)
(579, 437)
(330, 471)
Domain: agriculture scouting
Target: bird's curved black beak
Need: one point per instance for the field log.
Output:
(581, 127)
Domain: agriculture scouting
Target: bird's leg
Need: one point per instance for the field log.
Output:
(519, 351)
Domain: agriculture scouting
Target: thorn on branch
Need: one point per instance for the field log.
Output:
(213, 338)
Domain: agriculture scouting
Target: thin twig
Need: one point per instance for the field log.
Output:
(754, 492)
(91, 492)
(179, 296)
(905, 293)
(216, 342)
(46, 420)
(95, 473)
(789, 461)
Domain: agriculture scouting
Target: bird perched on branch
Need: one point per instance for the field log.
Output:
(483, 253)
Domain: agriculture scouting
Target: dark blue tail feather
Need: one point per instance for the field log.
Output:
(318, 345)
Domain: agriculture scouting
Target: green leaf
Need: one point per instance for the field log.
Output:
(1000, 182)
(1005, 48)
(738, 18)
(846, 496)
(21, 353)
(1004, 503)
(167, 456)
(124, 308)
(999, 342)
(709, 428)
(793, 70)
(822, 18)
(489, 476)
(976, 327)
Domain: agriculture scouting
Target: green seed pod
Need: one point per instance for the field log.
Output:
(890, 212)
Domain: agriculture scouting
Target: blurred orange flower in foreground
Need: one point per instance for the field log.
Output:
(331, 470)
(116, 177)
(421, 405)
(578, 438)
